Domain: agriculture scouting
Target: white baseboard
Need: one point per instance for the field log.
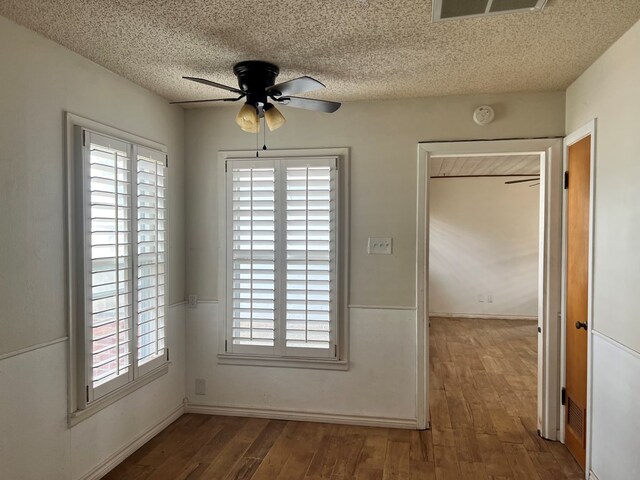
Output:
(362, 420)
(117, 457)
(483, 315)
(592, 476)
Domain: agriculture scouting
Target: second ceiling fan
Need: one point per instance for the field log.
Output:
(256, 84)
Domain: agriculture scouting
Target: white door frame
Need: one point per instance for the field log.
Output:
(572, 138)
(549, 302)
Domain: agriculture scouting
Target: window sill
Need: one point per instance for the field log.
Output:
(258, 361)
(80, 415)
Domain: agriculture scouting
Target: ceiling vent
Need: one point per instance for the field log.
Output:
(454, 9)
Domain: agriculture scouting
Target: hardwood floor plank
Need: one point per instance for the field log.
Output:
(282, 449)
(397, 462)
(374, 452)
(234, 450)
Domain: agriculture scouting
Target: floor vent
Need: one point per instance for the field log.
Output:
(454, 9)
(576, 419)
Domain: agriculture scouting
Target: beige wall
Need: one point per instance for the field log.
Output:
(383, 137)
(610, 91)
(39, 82)
(484, 240)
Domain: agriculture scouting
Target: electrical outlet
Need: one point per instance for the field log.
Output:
(193, 301)
(480, 298)
(201, 386)
(380, 245)
(490, 297)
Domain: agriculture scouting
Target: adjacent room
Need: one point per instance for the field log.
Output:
(484, 241)
(325, 240)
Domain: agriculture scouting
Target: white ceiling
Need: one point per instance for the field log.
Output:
(361, 49)
(485, 165)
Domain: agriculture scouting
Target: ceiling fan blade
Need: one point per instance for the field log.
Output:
(209, 100)
(521, 181)
(293, 87)
(214, 84)
(309, 104)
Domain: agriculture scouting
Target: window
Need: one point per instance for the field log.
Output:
(282, 257)
(121, 262)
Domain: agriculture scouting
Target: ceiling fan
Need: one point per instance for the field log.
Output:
(256, 81)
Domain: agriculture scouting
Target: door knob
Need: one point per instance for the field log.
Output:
(580, 325)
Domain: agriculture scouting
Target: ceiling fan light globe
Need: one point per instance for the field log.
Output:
(274, 118)
(247, 119)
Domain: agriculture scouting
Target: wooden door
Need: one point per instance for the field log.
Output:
(577, 288)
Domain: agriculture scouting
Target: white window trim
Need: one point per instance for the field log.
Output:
(77, 407)
(340, 362)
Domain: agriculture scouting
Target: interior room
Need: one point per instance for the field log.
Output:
(484, 241)
(215, 246)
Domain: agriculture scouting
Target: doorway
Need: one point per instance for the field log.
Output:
(577, 292)
(549, 285)
(483, 293)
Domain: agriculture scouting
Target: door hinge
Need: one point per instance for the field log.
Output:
(167, 354)
(166, 161)
(225, 345)
(566, 180)
(84, 138)
(87, 393)
(563, 396)
(225, 166)
(335, 351)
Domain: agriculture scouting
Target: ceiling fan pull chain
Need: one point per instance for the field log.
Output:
(264, 134)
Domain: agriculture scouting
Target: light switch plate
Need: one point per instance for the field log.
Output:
(380, 246)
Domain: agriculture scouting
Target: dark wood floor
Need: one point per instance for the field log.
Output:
(483, 394)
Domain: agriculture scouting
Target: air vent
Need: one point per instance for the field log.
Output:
(454, 9)
(576, 419)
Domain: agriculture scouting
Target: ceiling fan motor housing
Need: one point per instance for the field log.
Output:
(254, 77)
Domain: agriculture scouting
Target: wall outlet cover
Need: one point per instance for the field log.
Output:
(201, 386)
(193, 301)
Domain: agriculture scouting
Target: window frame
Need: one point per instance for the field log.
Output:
(84, 401)
(336, 357)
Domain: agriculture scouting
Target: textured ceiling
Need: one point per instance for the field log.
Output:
(360, 49)
(485, 165)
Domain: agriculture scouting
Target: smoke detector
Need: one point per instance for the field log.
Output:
(483, 115)
(454, 9)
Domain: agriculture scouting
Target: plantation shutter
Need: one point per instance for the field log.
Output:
(151, 252)
(282, 256)
(108, 263)
(252, 255)
(122, 219)
(310, 256)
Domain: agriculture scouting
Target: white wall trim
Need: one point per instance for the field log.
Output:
(616, 344)
(117, 457)
(592, 476)
(550, 150)
(483, 316)
(588, 129)
(362, 420)
(33, 347)
(381, 307)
